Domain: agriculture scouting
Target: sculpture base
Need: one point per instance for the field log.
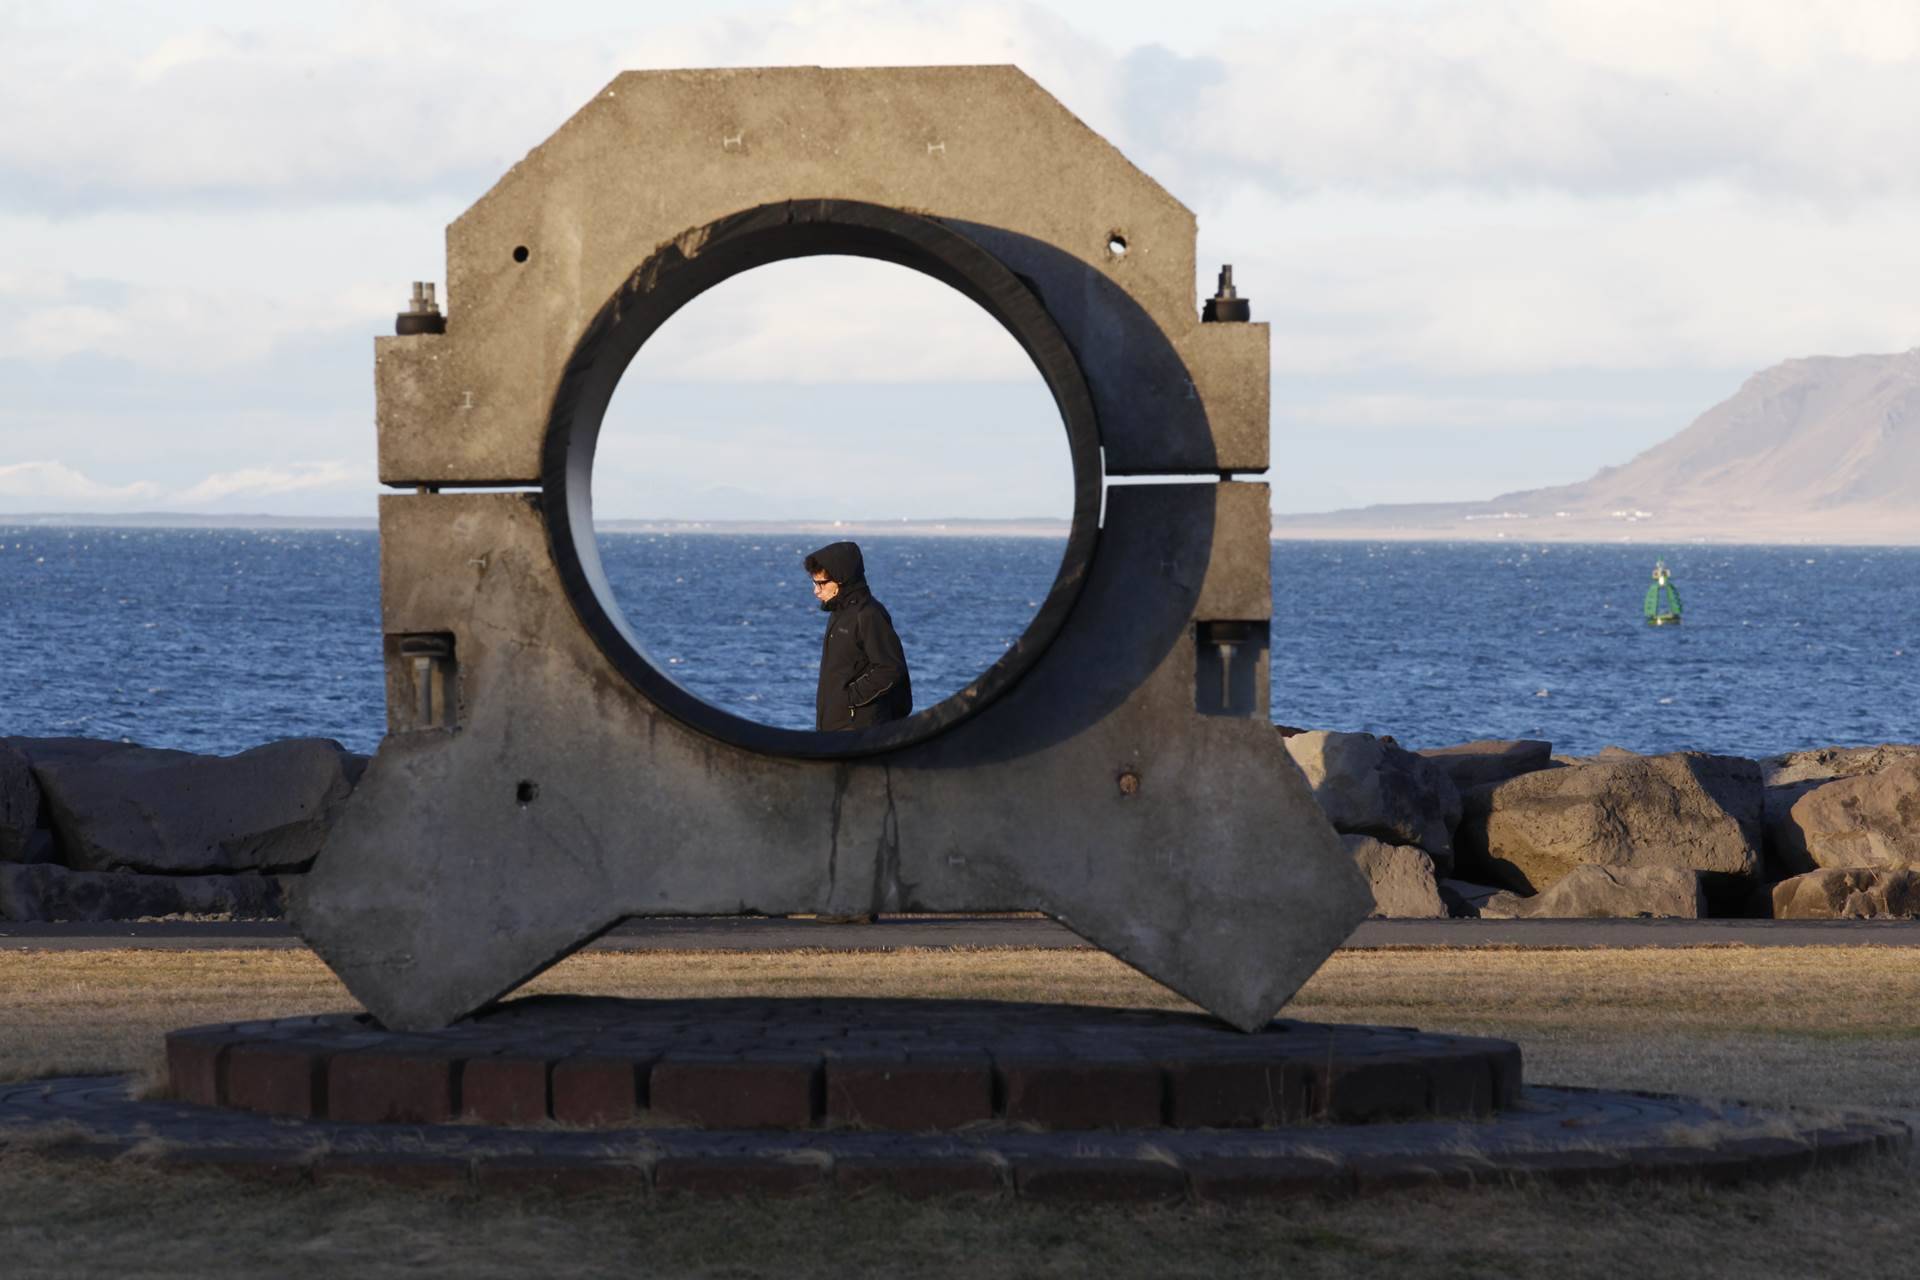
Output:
(912, 1097)
(903, 1065)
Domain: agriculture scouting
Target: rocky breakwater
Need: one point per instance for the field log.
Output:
(1506, 829)
(94, 830)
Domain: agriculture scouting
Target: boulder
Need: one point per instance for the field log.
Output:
(1824, 764)
(1401, 877)
(1610, 893)
(172, 812)
(19, 804)
(1602, 755)
(39, 847)
(1372, 787)
(1487, 761)
(33, 894)
(1789, 776)
(1848, 893)
(1685, 811)
(1867, 820)
(41, 751)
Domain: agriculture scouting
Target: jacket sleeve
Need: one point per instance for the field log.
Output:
(886, 660)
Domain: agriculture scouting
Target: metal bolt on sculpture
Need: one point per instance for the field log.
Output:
(541, 779)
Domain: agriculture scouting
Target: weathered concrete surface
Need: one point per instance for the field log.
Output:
(1370, 786)
(439, 889)
(1869, 893)
(1486, 761)
(1688, 811)
(173, 812)
(1866, 820)
(1100, 787)
(49, 893)
(657, 154)
(1401, 878)
(1614, 893)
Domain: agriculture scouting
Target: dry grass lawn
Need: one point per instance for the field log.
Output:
(1804, 1026)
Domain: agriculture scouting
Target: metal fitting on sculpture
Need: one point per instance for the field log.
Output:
(1226, 304)
(430, 659)
(422, 314)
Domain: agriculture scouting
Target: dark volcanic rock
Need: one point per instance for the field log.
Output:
(19, 805)
(1372, 787)
(172, 812)
(1611, 893)
(39, 751)
(33, 894)
(1687, 811)
(1837, 893)
(1482, 763)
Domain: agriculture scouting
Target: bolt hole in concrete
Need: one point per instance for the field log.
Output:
(520, 253)
(527, 792)
(1116, 245)
(812, 400)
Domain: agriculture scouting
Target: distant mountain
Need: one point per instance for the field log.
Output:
(1821, 449)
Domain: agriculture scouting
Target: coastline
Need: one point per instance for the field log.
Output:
(1437, 525)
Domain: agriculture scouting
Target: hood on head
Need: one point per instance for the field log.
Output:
(840, 561)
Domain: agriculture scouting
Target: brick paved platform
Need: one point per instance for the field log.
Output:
(1554, 1136)
(914, 1097)
(900, 1065)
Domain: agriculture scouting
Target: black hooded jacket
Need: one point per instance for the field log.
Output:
(863, 670)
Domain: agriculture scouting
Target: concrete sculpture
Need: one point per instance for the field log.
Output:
(541, 779)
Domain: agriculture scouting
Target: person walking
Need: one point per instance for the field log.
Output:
(863, 670)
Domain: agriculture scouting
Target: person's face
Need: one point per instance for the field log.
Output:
(825, 588)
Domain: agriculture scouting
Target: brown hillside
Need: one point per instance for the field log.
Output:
(1824, 448)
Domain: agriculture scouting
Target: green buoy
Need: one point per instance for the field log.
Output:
(1662, 605)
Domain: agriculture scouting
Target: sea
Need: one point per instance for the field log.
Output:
(216, 640)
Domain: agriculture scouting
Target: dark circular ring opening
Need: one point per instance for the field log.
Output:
(681, 271)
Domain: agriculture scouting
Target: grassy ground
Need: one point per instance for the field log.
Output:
(1813, 1026)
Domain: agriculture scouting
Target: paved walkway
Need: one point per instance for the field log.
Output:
(728, 933)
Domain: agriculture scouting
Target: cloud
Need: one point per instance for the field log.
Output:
(49, 485)
(384, 101)
(266, 482)
(391, 101)
(1395, 410)
(1781, 98)
(1462, 283)
(177, 329)
(825, 320)
(213, 213)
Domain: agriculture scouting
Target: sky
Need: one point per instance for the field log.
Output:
(1501, 243)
